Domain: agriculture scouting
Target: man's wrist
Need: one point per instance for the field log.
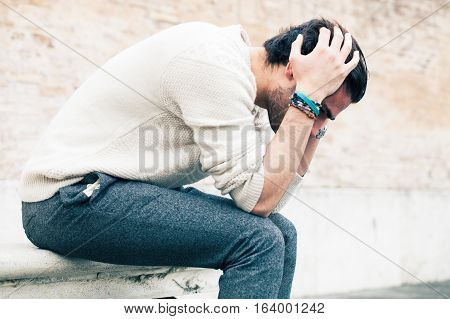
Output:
(296, 116)
(314, 95)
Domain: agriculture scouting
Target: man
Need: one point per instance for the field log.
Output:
(106, 182)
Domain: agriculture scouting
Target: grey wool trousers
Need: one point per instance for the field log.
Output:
(138, 223)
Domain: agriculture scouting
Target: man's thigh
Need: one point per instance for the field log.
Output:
(132, 222)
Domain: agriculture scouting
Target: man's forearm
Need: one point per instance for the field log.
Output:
(310, 149)
(282, 158)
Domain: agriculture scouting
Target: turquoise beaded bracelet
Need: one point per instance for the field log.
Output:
(315, 107)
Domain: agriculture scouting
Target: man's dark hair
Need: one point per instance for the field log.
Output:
(278, 49)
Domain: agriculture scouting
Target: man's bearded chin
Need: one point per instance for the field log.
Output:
(277, 105)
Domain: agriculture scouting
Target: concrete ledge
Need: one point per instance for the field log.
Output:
(29, 272)
(149, 283)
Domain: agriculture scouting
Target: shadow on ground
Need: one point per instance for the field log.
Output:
(419, 291)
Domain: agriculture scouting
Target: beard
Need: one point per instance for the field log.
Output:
(277, 105)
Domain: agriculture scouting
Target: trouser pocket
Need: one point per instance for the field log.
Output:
(87, 189)
(46, 222)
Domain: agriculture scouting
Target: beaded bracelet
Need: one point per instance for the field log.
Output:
(304, 104)
(314, 106)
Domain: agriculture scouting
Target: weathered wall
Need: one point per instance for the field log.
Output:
(387, 152)
(395, 138)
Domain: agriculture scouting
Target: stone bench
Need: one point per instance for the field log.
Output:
(29, 272)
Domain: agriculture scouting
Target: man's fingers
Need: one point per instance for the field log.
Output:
(347, 46)
(324, 37)
(338, 37)
(296, 47)
(352, 63)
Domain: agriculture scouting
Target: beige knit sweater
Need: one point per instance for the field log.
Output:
(170, 110)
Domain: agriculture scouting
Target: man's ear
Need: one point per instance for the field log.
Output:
(288, 71)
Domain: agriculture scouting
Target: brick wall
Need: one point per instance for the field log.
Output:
(397, 137)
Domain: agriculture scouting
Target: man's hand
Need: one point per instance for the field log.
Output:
(321, 72)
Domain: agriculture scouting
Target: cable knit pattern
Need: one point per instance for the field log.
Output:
(215, 95)
(182, 109)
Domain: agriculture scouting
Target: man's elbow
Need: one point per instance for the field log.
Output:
(261, 209)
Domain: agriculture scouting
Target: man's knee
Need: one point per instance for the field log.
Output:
(286, 226)
(269, 237)
(261, 243)
(290, 231)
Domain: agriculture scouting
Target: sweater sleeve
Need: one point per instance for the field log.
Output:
(215, 94)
